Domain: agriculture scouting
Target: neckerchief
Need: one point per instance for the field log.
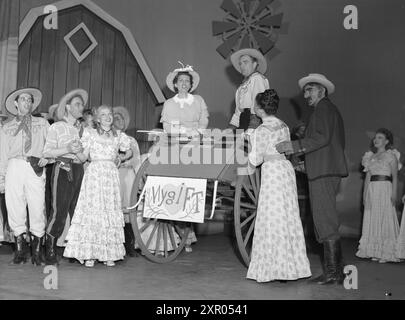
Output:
(25, 125)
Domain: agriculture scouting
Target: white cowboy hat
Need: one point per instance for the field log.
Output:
(125, 115)
(261, 60)
(51, 111)
(10, 106)
(189, 69)
(59, 113)
(317, 78)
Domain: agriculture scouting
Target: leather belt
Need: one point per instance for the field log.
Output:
(67, 160)
(380, 178)
(274, 157)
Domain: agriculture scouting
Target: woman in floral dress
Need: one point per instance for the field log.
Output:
(97, 229)
(380, 222)
(278, 251)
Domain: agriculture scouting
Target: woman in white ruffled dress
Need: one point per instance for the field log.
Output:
(380, 222)
(97, 229)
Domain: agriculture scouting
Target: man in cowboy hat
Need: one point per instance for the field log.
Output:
(63, 145)
(325, 164)
(252, 65)
(22, 177)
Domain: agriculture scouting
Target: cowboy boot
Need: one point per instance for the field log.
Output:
(129, 241)
(50, 250)
(20, 255)
(333, 266)
(36, 251)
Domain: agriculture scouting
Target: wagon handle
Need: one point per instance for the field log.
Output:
(139, 201)
(214, 198)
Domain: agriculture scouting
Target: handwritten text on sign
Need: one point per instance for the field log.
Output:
(180, 199)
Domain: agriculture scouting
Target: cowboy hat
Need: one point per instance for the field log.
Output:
(261, 60)
(125, 115)
(188, 69)
(317, 78)
(36, 93)
(51, 111)
(59, 113)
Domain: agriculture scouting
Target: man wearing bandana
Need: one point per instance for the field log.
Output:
(64, 146)
(22, 174)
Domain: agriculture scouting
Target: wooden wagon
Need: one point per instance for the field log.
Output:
(238, 194)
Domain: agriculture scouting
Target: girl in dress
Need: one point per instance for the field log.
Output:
(380, 222)
(97, 229)
(278, 251)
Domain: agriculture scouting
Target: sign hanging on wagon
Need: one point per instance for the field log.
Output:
(178, 199)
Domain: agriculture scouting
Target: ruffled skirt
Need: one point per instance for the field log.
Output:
(96, 231)
(380, 224)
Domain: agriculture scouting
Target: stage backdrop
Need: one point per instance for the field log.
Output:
(110, 72)
(9, 24)
(367, 65)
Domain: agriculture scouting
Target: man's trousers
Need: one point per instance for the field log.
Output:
(24, 187)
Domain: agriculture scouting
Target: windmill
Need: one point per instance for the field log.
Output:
(248, 24)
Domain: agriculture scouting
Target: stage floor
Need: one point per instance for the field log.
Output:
(211, 271)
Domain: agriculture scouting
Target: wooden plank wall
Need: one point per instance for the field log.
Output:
(110, 73)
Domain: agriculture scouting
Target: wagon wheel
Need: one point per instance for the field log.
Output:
(246, 199)
(165, 238)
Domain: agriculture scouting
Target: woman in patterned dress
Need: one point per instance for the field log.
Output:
(380, 222)
(278, 251)
(96, 232)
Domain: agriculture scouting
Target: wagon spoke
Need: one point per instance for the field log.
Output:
(252, 216)
(165, 239)
(248, 206)
(249, 233)
(159, 232)
(152, 234)
(146, 225)
(171, 235)
(249, 193)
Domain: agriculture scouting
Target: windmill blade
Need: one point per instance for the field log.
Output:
(226, 48)
(247, 6)
(229, 6)
(219, 27)
(264, 43)
(272, 21)
(263, 4)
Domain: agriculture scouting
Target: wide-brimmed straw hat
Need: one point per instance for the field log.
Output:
(51, 112)
(36, 93)
(261, 60)
(60, 110)
(189, 69)
(317, 78)
(125, 115)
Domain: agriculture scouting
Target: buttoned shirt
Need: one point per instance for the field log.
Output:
(59, 136)
(12, 146)
(246, 95)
